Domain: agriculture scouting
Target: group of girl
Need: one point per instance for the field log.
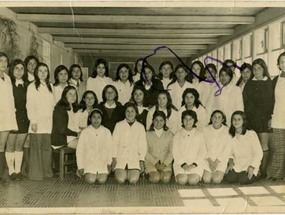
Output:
(144, 121)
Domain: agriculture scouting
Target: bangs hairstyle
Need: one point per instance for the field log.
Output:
(11, 71)
(196, 95)
(37, 79)
(169, 105)
(232, 129)
(71, 69)
(57, 70)
(160, 76)
(63, 100)
(105, 90)
(130, 104)
(97, 63)
(95, 110)
(208, 67)
(2, 54)
(136, 64)
(174, 77)
(278, 59)
(243, 67)
(143, 76)
(201, 76)
(223, 115)
(189, 113)
(130, 75)
(261, 63)
(228, 71)
(83, 103)
(136, 88)
(158, 114)
(31, 57)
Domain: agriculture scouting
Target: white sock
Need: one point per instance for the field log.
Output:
(10, 158)
(18, 161)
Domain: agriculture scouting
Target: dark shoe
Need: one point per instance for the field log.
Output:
(20, 176)
(13, 177)
(272, 179)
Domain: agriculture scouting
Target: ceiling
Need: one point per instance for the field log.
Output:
(136, 32)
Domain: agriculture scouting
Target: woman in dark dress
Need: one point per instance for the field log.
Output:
(258, 100)
(16, 139)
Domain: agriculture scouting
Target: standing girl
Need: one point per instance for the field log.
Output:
(276, 170)
(151, 85)
(40, 105)
(88, 103)
(197, 67)
(124, 83)
(165, 73)
(129, 140)
(61, 78)
(246, 75)
(75, 79)
(94, 150)
(113, 111)
(246, 154)
(16, 139)
(99, 78)
(230, 98)
(164, 104)
(7, 109)
(31, 63)
(138, 98)
(218, 148)
(158, 159)
(178, 85)
(188, 151)
(191, 102)
(258, 101)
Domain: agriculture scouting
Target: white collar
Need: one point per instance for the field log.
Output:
(158, 132)
(74, 81)
(17, 82)
(263, 79)
(110, 106)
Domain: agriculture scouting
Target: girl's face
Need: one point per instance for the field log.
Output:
(237, 121)
(18, 71)
(101, 70)
(43, 73)
(138, 96)
(89, 100)
(62, 76)
(166, 71)
(224, 78)
(158, 122)
(71, 96)
(96, 120)
(162, 100)
(139, 66)
(32, 64)
(258, 71)
(189, 99)
(130, 114)
(282, 63)
(181, 74)
(110, 94)
(76, 73)
(148, 74)
(207, 74)
(188, 122)
(217, 120)
(124, 74)
(246, 74)
(196, 69)
(3, 64)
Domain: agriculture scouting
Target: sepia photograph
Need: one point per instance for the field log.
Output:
(142, 107)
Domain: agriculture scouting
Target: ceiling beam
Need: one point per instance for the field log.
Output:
(131, 47)
(202, 19)
(136, 41)
(144, 51)
(135, 32)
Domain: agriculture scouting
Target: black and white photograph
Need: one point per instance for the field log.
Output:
(142, 107)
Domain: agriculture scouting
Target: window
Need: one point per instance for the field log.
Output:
(237, 49)
(247, 46)
(261, 38)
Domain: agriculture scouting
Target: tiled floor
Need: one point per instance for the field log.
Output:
(73, 195)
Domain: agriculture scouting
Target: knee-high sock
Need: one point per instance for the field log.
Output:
(18, 161)
(2, 163)
(10, 159)
(264, 162)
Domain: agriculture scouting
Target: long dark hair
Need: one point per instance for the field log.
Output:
(11, 71)
(31, 57)
(130, 76)
(261, 63)
(174, 78)
(190, 113)
(57, 70)
(143, 78)
(232, 129)
(83, 103)
(156, 114)
(201, 75)
(63, 100)
(105, 90)
(228, 71)
(243, 67)
(71, 69)
(160, 76)
(278, 59)
(223, 115)
(37, 80)
(97, 63)
(133, 94)
(169, 106)
(2, 54)
(136, 65)
(196, 95)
